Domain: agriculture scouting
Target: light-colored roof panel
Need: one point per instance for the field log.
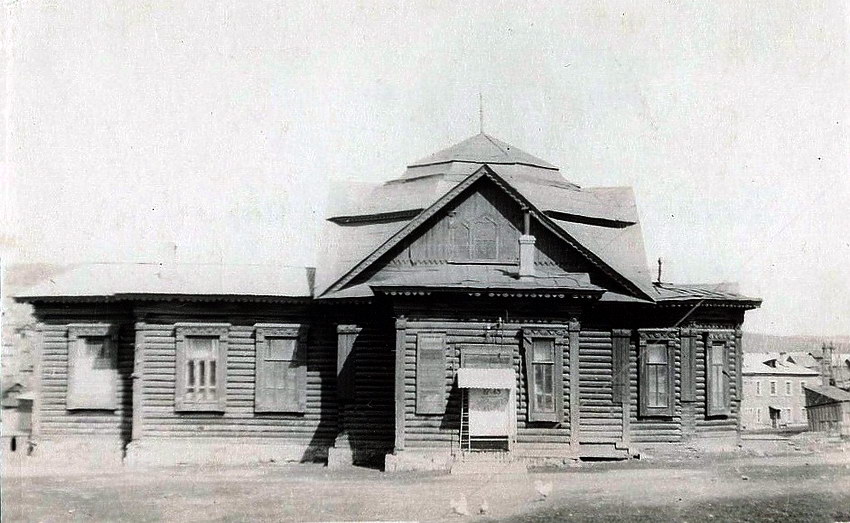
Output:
(699, 291)
(114, 279)
(621, 248)
(760, 363)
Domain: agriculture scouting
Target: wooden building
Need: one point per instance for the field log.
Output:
(828, 409)
(480, 302)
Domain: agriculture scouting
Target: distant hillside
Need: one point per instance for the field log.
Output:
(769, 343)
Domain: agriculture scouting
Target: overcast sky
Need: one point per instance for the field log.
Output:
(216, 127)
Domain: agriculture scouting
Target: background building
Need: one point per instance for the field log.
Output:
(774, 395)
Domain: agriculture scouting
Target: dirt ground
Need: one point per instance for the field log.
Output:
(793, 487)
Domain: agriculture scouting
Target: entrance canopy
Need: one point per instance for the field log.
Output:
(486, 378)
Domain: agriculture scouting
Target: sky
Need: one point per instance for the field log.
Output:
(210, 132)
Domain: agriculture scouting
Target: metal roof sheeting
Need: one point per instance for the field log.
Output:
(833, 393)
(117, 279)
(483, 148)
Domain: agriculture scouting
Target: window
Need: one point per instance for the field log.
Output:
(477, 240)
(758, 415)
(656, 379)
(92, 368)
(758, 387)
(281, 370)
(201, 362)
(802, 387)
(787, 388)
(544, 357)
(717, 379)
(543, 370)
(431, 373)
(773, 388)
(485, 238)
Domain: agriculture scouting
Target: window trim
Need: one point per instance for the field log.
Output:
(78, 333)
(182, 331)
(266, 332)
(668, 339)
(560, 339)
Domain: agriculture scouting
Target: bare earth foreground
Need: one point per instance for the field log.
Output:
(798, 487)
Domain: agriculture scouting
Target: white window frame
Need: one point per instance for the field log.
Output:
(219, 332)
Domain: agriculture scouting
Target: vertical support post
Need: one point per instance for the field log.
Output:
(575, 400)
(739, 380)
(400, 334)
(138, 379)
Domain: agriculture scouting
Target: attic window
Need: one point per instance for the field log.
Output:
(476, 240)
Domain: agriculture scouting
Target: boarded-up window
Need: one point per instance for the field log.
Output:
(656, 380)
(620, 357)
(201, 363)
(92, 369)
(485, 238)
(717, 380)
(688, 367)
(431, 373)
(281, 379)
(544, 353)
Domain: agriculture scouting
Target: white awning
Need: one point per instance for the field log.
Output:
(486, 378)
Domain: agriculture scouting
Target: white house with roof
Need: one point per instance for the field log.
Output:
(774, 391)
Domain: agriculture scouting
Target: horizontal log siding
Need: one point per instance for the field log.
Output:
(705, 425)
(370, 421)
(444, 430)
(601, 419)
(650, 430)
(54, 419)
(316, 426)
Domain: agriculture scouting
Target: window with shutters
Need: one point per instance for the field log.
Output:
(281, 369)
(544, 354)
(92, 368)
(717, 379)
(201, 367)
(656, 374)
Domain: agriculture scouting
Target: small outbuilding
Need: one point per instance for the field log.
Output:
(828, 409)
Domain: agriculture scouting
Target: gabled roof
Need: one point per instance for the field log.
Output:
(483, 148)
(628, 272)
(116, 280)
